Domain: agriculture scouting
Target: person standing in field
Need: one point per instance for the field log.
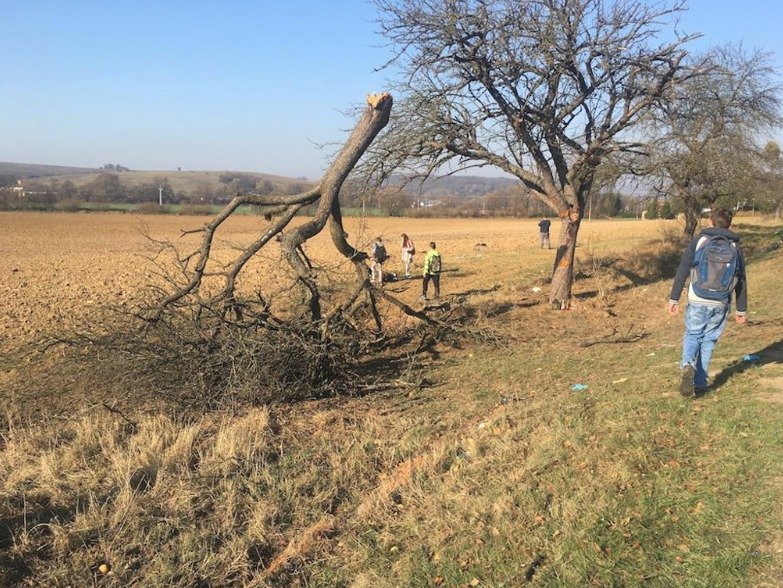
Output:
(408, 251)
(716, 266)
(379, 256)
(543, 234)
(432, 268)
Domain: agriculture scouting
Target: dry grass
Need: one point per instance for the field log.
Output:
(497, 472)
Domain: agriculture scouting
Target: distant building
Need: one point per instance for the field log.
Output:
(18, 190)
(425, 203)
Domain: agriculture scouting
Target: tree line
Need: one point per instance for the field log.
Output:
(108, 187)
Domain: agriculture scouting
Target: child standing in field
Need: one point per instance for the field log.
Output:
(716, 267)
(432, 267)
(379, 255)
(543, 232)
(408, 251)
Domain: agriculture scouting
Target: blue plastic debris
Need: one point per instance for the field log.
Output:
(579, 387)
(751, 358)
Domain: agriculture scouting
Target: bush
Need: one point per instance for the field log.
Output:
(70, 205)
(152, 208)
(196, 209)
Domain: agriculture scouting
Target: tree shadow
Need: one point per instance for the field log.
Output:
(586, 295)
(655, 263)
(649, 267)
(770, 354)
(461, 297)
(15, 568)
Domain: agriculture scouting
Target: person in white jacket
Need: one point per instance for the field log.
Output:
(408, 251)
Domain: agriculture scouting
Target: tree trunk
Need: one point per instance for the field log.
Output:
(563, 273)
(691, 221)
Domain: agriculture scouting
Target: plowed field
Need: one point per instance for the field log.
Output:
(55, 268)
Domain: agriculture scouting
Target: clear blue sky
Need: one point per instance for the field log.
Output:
(239, 85)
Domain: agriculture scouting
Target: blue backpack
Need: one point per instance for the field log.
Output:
(715, 267)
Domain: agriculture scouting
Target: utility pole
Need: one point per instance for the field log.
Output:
(160, 194)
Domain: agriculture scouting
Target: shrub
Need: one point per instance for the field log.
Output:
(152, 208)
(70, 205)
(196, 209)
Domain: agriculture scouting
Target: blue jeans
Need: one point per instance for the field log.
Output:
(703, 326)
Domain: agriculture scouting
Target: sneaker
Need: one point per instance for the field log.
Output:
(687, 389)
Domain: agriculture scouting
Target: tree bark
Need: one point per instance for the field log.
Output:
(375, 117)
(691, 221)
(563, 272)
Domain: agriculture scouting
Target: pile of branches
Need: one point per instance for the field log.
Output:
(173, 361)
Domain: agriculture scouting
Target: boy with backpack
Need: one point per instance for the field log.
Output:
(716, 267)
(379, 255)
(432, 267)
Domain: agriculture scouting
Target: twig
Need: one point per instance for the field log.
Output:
(614, 338)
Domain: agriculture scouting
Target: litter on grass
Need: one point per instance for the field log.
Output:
(751, 357)
(579, 387)
(620, 381)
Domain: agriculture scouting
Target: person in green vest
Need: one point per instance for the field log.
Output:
(432, 268)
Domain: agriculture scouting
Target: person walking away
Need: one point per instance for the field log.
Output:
(716, 266)
(543, 235)
(408, 251)
(432, 268)
(379, 255)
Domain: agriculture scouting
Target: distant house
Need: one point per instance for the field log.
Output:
(18, 190)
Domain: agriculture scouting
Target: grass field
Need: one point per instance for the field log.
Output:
(496, 473)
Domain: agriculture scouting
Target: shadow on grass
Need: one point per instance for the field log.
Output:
(36, 520)
(759, 243)
(660, 261)
(770, 354)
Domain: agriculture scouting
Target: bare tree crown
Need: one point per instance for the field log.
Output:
(541, 89)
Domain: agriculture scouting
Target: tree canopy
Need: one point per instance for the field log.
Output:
(542, 90)
(703, 136)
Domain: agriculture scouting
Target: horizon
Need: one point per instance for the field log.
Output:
(252, 88)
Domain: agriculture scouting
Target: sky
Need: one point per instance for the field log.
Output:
(239, 85)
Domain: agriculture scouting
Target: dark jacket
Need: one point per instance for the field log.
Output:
(686, 264)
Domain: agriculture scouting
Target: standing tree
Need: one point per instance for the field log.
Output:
(703, 147)
(773, 177)
(106, 188)
(653, 208)
(543, 90)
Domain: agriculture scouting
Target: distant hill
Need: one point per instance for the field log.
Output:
(458, 186)
(34, 170)
(180, 181)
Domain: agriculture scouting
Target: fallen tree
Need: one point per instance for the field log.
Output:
(205, 323)
(264, 321)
